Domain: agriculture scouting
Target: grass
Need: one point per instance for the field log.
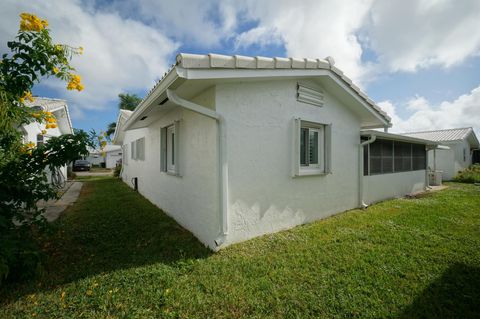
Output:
(115, 255)
(470, 175)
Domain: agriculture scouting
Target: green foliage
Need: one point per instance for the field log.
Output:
(128, 101)
(115, 254)
(23, 180)
(117, 170)
(470, 175)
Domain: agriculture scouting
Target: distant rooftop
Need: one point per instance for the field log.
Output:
(454, 134)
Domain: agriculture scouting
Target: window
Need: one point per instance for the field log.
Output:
(140, 149)
(125, 154)
(170, 149)
(387, 156)
(137, 149)
(40, 139)
(312, 144)
(133, 154)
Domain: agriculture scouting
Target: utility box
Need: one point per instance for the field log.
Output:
(435, 178)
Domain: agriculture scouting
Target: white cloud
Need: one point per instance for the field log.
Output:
(410, 34)
(120, 54)
(258, 36)
(462, 112)
(203, 23)
(312, 28)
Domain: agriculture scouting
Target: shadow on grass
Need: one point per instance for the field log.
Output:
(455, 295)
(109, 228)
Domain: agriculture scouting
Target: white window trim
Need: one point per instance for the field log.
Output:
(165, 165)
(324, 147)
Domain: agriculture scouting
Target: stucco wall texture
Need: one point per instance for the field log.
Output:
(263, 194)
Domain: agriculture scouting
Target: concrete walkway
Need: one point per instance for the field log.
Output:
(53, 208)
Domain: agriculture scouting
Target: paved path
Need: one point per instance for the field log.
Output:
(94, 173)
(53, 208)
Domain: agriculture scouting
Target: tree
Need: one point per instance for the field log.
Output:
(23, 180)
(127, 102)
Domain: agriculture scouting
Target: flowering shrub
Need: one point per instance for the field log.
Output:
(470, 175)
(23, 181)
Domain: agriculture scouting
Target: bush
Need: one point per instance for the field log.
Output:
(117, 170)
(470, 175)
(23, 179)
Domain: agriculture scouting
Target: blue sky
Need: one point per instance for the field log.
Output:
(419, 60)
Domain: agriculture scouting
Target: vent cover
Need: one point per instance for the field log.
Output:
(310, 95)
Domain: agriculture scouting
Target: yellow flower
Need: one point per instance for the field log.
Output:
(51, 120)
(55, 70)
(31, 22)
(80, 50)
(75, 83)
(27, 96)
(44, 132)
(53, 125)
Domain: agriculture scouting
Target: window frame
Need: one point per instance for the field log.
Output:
(324, 152)
(170, 145)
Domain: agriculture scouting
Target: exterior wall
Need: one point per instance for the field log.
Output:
(95, 159)
(451, 161)
(192, 198)
(111, 158)
(263, 195)
(31, 131)
(386, 186)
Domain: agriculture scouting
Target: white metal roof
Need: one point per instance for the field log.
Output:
(123, 116)
(455, 134)
(54, 105)
(398, 137)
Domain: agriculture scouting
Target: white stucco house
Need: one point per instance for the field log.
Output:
(233, 147)
(32, 132)
(109, 156)
(461, 142)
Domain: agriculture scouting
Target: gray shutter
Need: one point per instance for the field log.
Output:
(309, 94)
(178, 158)
(163, 149)
(296, 147)
(328, 148)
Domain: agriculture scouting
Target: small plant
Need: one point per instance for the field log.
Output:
(117, 170)
(470, 175)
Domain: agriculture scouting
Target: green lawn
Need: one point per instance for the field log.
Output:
(115, 255)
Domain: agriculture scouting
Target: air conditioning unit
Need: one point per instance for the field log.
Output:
(435, 178)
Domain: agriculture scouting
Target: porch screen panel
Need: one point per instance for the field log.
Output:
(419, 157)
(381, 157)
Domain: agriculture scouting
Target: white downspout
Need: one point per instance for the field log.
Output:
(222, 158)
(360, 170)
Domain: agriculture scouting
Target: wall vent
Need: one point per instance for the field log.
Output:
(310, 95)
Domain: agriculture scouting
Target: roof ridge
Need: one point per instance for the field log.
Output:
(221, 61)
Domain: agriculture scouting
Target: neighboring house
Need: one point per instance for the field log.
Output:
(109, 156)
(234, 147)
(33, 132)
(462, 143)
